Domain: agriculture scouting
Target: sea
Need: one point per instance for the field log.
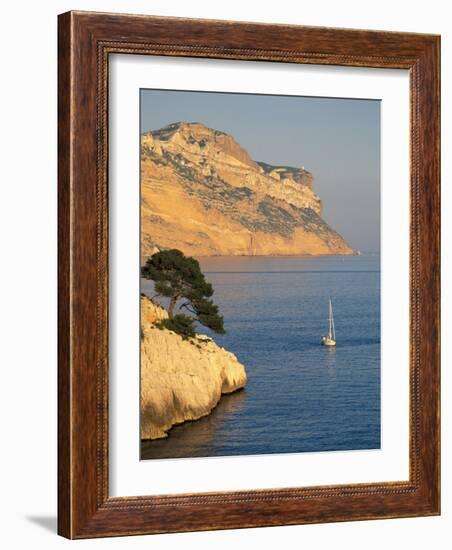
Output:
(300, 396)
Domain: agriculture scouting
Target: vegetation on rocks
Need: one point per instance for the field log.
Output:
(180, 279)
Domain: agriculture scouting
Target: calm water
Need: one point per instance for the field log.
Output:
(300, 396)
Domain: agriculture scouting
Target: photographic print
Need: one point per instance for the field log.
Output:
(260, 274)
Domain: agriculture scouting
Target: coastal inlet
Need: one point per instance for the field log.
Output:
(299, 396)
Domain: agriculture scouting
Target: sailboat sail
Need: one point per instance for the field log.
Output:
(330, 340)
(332, 331)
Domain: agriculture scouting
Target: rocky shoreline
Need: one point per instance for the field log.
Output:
(181, 379)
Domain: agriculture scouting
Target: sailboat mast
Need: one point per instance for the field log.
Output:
(332, 323)
(329, 319)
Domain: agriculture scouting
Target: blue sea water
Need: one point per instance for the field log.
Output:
(300, 396)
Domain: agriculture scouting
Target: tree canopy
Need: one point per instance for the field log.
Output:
(179, 277)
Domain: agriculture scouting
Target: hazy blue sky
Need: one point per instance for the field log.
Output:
(338, 140)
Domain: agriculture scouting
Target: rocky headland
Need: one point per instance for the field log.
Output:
(181, 379)
(203, 194)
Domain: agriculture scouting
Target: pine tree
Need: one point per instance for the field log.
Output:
(179, 277)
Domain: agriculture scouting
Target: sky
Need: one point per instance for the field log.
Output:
(337, 140)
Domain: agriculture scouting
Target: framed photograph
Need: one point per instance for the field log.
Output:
(248, 275)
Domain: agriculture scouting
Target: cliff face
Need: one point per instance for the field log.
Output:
(203, 194)
(180, 379)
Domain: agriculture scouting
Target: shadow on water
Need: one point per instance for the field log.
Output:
(194, 438)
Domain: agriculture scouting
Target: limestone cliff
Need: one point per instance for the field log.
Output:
(203, 194)
(180, 379)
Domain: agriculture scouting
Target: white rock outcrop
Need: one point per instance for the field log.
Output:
(180, 379)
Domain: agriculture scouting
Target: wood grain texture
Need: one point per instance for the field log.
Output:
(85, 42)
(64, 296)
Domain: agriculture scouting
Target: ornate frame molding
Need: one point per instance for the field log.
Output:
(85, 42)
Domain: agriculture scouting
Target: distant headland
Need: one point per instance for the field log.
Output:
(202, 193)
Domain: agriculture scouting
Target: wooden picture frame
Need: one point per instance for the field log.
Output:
(86, 40)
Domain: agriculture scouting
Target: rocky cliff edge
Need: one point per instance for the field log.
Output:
(180, 379)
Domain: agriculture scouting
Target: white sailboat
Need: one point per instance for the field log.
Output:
(330, 340)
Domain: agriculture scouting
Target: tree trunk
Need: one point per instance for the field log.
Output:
(172, 305)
